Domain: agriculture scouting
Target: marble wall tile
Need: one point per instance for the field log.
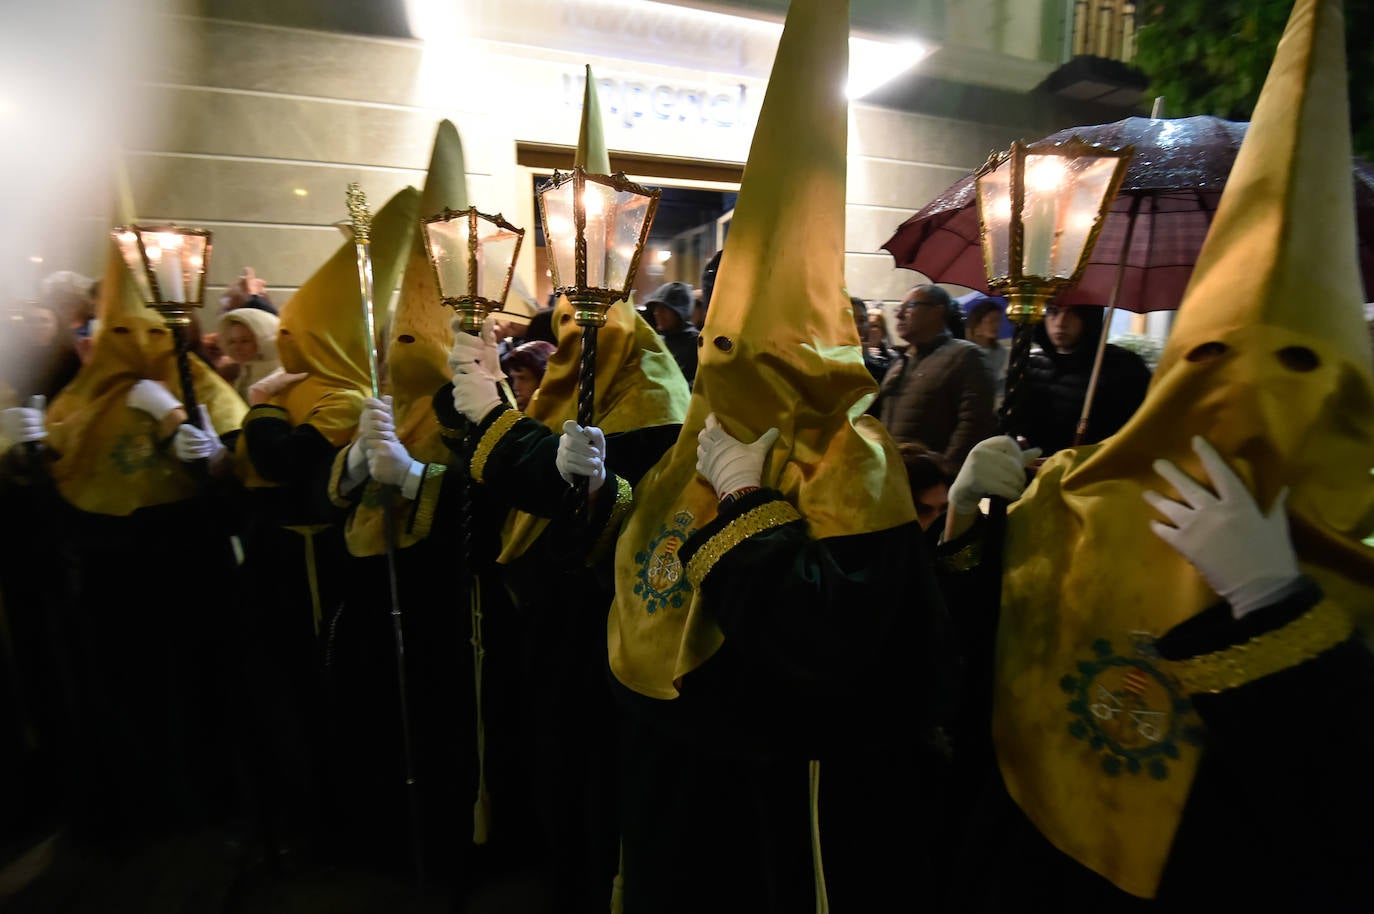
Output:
(197, 189)
(202, 120)
(903, 185)
(867, 227)
(282, 256)
(909, 137)
(235, 55)
(872, 276)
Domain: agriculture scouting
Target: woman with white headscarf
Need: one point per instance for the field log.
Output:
(249, 337)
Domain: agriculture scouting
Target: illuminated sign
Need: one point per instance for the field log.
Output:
(631, 102)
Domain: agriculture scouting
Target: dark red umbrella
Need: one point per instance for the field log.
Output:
(1171, 189)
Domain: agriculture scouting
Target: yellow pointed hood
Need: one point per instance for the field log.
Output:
(323, 331)
(417, 354)
(592, 154)
(780, 349)
(1269, 361)
(638, 384)
(108, 460)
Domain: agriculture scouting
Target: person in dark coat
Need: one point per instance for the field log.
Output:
(939, 392)
(670, 311)
(1057, 379)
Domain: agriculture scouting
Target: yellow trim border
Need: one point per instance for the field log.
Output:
(624, 500)
(757, 520)
(504, 423)
(262, 410)
(1314, 632)
(336, 477)
(429, 499)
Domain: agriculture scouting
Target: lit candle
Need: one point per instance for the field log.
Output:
(1044, 176)
(168, 267)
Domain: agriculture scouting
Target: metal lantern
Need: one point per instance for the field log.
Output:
(595, 227)
(1041, 207)
(473, 256)
(168, 263)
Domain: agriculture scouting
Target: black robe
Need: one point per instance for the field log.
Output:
(835, 650)
(1276, 818)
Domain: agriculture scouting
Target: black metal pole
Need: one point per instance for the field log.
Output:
(188, 387)
(586, 406)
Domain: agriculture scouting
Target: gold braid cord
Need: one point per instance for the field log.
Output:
(1313, 633)
(427, 500)
(624, 499)
(504, 423)
(764, 517)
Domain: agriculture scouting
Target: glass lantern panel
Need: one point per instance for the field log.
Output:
(448, 248)
(128, 249)
(1082, 204)
(560, 233)
(616, 223)
(994, 209)
(495, 254)
(195, 249)
(1046, 182)
(177, 262)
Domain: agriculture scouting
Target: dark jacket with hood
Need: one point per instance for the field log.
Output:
(682, 342)
(1057, 383)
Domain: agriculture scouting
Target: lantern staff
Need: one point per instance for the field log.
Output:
(361, 221)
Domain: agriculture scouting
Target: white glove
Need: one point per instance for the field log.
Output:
(728, 464)
(482, 350)
(23, 424)
(1244, 554)
(152, 398)
(272, 385)
(191, 443)
(995, 466)
(582, 452)
(388, 461)
(474, 391)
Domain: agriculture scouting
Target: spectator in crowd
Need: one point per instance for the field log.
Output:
(670, 310)
(929, 485)
(525, 365)
(939, 392)
(1057, 377)
(249, 340)
(984, 328)
(876, 360)
(247, 291)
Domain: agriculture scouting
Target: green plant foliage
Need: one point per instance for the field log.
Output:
(1211, 57)
(1147, 347)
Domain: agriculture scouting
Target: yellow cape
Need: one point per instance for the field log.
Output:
(1269, 361)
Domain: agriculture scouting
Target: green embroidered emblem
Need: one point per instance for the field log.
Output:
(661, 580)
(1129, 711)
(134, 452)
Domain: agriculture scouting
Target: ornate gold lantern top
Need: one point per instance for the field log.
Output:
(595, 227)
(473, 256)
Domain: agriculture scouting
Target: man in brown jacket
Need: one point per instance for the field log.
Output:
(939, 393)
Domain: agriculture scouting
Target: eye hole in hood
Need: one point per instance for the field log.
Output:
(1298, 358)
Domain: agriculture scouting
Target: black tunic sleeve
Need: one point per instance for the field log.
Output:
(842, 616)
(281, 452)
(1288, 752)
